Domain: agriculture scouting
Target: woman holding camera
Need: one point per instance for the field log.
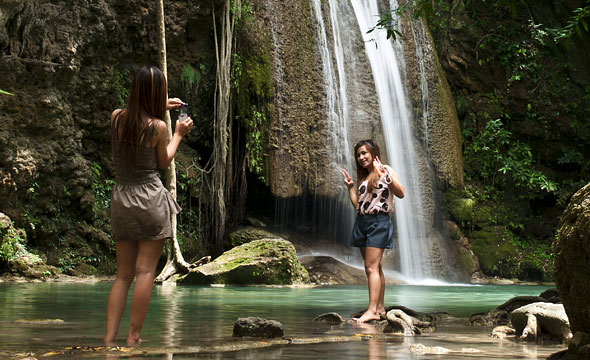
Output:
(372, 231)
(141, 207)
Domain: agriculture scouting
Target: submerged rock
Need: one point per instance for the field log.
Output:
(533, 320)
(267, 261)
(501, 332)
(39, 321)
(332, 317)
(420, 349)
(257, 327)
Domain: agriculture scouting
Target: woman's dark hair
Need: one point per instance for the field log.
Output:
(361, 172)
(147, 99)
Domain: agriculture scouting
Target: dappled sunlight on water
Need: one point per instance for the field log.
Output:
(183, 317)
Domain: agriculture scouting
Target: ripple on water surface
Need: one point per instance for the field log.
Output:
(188, 316)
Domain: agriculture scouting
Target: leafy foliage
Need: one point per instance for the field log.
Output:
(254, 142)
(117, 82)
(9, 243)
(101, 189)
(495, 150)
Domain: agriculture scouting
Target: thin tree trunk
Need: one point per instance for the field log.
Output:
(175, 261)
(223, 52)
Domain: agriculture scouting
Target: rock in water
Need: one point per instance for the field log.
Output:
(267, 261)
(530, 321)
(332, 318)
(420, 349)
(572, 250)
(257, 327)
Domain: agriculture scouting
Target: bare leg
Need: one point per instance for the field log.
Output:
(145, 270)
(126, 256)
(372, 258)
(381, 302)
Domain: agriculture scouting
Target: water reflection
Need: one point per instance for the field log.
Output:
(181, 317)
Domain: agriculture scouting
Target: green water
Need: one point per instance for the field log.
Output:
(188, 316)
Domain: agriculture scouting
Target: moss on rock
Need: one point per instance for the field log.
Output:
(265, 261)
(496, 254)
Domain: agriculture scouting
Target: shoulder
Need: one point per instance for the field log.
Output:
(115, 113)
(159, 125)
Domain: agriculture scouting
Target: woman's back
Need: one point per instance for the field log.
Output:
(129, 171)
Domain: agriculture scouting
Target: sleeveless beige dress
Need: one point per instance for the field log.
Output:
(141, 207)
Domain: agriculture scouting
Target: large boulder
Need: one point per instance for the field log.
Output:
(572, 250)
(536, 319)
(267, 261)
(249, 233)
(325, 270)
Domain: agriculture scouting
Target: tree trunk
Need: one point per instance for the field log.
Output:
(223, 52)
(175, 261)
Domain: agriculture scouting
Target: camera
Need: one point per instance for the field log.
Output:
(183, 109)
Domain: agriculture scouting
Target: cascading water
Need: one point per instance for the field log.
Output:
(400, 143)
(356, 104)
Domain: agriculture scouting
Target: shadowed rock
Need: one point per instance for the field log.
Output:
(257, 327)
(533, 320)
(500, 315)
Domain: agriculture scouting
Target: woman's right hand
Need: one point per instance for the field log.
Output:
(183, 127)
(347, 179)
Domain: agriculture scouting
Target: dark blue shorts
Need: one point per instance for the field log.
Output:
(373, 231)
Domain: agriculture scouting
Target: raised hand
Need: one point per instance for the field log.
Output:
(347, 179)
(379, 166)
(173, 103)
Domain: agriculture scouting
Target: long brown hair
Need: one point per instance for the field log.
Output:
(147, 99)
(363, 174)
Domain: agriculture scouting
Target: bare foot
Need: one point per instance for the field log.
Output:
(110, 342)
(367, 316)
(135, 342)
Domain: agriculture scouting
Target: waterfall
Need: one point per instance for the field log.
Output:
(402, 149)
(362, 81)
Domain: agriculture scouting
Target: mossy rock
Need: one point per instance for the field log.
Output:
(249, 233)
(265, 261)
(461, 206)
(494, 250)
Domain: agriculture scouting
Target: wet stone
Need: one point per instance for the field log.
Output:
(332, 318)
(257, 327)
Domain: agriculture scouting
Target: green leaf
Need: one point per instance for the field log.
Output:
(5, 93)
(584, 24)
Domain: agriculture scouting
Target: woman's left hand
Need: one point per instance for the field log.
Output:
(173, 103)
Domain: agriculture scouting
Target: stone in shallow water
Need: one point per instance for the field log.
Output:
(420, 349)
(39, 321)
(501, 332)
(532, 320)
(332, 317)
(257, 327)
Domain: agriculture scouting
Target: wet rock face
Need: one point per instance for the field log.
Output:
(67, 64)
(572, 250)
(257, 327)
(266, 261)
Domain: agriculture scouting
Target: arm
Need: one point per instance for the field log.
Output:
(352, 192)
(395, 185)
(165, 150)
